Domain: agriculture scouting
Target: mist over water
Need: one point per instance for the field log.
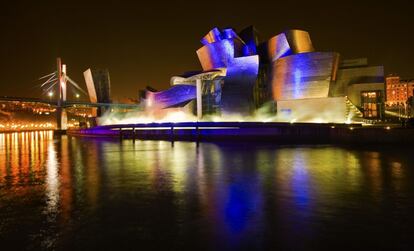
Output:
(72, 193)
(266, 113)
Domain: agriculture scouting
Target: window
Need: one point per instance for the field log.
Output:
(371, 104)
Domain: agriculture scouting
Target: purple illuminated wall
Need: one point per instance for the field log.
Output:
(228, 50)
(237, 92)
(176, 95)
(305, 75)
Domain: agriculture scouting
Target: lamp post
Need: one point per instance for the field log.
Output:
(77, 96)
(50, 94)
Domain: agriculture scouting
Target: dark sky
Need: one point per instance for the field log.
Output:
(146, 42)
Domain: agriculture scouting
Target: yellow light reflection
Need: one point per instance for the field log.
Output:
(52, 179)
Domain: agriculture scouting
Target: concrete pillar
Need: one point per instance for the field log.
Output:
(61, 116)
(59, 96)
(199, 84)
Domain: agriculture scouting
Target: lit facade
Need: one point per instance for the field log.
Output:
(241, 74)
(226, 49)
(363, 85)
(398, 91)
(304, 75)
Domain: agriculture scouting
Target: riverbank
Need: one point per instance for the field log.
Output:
(297, 133)
(19, 131)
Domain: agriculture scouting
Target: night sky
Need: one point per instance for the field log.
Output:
(145, 43)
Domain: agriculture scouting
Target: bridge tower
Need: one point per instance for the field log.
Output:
(61, 116)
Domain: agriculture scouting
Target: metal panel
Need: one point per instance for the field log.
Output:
(229, 34)
(250, 38)
(278, 47)
(102, 85)
(305, 75)
(288, 43)
(173, 96)
(216, 55)
(90, 86)
(299, 41)
(229, 51)
(220, 47)
(98, 85)
(212, 36)
(237, 92)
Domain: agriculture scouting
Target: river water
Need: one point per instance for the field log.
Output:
(73, 193)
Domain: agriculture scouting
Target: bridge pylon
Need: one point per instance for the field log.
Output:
(61, 116)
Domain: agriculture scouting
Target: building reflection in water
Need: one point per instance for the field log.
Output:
(223, 196)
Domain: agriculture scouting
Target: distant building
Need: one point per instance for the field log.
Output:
(398, 91)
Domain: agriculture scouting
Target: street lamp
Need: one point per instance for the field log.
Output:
(77, 95)
(50, 94)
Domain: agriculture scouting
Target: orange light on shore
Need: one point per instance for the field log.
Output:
(24, 126)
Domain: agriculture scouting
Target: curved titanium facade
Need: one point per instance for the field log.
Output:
(239, 74)
(237, 91)
(213, 36)
(288, 43)
(278, 47)
(174, 96)
(249, 37)
(305, 75)
(99, 85)
(228, 50)
(216, 55)
(299, 41)
(221, 47)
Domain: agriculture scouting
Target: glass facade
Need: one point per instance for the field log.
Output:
(371, 104)
(211, 96)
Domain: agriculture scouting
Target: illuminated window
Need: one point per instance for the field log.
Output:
(371, 104)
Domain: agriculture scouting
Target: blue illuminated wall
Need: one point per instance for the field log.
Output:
(222, 49)
(216, 55)
(278, 47)
(227, 50)
(284, 68)
(237, 91)
(304, 75)
(174, 96)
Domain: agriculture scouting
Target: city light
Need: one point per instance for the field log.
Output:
(141, 123)
(21, 126)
